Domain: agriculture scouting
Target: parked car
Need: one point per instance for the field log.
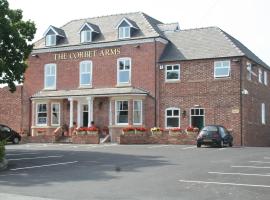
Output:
(214, 135)
(9, 135)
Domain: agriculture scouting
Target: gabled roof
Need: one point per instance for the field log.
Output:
(147, 28)
(92, 27)
(202, 43)
(169, 27)
(57, 31)
(131, 23)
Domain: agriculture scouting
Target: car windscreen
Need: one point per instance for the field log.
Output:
(210, 128)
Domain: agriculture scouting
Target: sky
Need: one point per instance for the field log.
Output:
(246, 20)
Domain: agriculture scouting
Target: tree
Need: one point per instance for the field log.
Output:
(15, 47)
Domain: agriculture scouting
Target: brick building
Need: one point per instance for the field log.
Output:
(131, 69)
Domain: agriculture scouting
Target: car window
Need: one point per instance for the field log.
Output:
(4, 129)
(222, 131)
(210, 128)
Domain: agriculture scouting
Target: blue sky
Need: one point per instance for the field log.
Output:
(246, 20)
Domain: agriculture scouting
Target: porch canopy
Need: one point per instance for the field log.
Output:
(86, 94)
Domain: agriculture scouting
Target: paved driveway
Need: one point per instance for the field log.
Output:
(67, 171)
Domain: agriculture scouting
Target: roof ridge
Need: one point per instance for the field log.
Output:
(145, 16)
(200, 28)
(169, 23)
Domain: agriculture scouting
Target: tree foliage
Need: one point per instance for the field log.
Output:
(15, 47)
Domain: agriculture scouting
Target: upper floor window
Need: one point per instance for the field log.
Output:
(172, 72)
(123, 71)
(126, 28)
(265, 78)
(172, 117)
(121, 112)
(86, 36)
(222, 69)
(50, 76)
(260, 76)
(41, 114)
(86, 73)
(137, 112)
(50, 40)
(124, 32)
(249, 71)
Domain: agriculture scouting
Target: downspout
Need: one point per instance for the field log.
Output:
(241, 103)
(155, 82)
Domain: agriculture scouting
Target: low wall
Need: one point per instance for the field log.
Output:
(85, 139)
(39, 139)
(165, 138)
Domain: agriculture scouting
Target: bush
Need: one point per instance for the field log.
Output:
(2, 150)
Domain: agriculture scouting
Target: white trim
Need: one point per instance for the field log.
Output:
(229, 69)
(51, 28)
(115, 114)
(95, 45)
(265, 78)
(172, 108)
(127, 21)
(260, 75)
(90, 71)
(89, 26)
(59, 120)
(55, 76)
(130, 69)
(141, 114)
(36, 113)
(179, 72)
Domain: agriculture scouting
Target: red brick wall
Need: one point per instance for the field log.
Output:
(197, 86)
(254, 132)
(11, 108)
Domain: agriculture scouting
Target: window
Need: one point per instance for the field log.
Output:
(85, 73)
(50, 76)
(124, 32)
(222, 69)
(172, 72)
(137, 112)
(249, 73)
(265, 77)
(121, 112)
(172, 117)
(86, 36)
(124, 71)
(41, 114)
(260, 76)
(50, 40)
(55, 114)
(263, 113)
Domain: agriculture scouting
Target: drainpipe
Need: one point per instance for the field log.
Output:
(155, 82)
(241, 103)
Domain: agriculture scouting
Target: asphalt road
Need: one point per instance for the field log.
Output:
(120, 172)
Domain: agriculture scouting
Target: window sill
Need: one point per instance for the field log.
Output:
(173, 81)
(222, 78)
(49, 89)
(85, 87)
(123, 85)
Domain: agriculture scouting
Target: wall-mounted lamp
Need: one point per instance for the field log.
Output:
(34, 55)
(184, 114)
(137, 46)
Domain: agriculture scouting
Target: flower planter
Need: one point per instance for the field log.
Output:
(128, 132)
(92, 132)
(157, 133)
(175, 133)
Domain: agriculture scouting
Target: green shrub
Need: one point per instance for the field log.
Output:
(2, 150)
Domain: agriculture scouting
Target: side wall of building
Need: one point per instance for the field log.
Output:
(11, 108)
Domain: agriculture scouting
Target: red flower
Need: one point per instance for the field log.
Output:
(176, 129)
(142, 129)
(128, 129)
(190, 128)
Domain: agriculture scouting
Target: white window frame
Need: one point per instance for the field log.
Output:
(263, 113)
(116, 102)
(90, 73)
(265, 80)
(84, 36)
(260, 75)
(179, 118)
(140, 111)
(249, 71)
(172, 70)
(59, 113)
(118, 71)
(50, 40)
(122, 32)
(200, 109)
(53, 75)
(222, 66)
(41, 103)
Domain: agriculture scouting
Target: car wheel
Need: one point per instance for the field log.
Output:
(221, 144)
(15, 140)
(199, 145)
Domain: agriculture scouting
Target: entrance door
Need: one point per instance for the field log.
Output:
(197, 117)
(85, 115)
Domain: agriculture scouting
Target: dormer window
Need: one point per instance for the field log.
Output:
(53, 35)
(88, 31)
(126, 28)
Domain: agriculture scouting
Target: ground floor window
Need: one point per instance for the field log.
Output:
(41, 114)
(137, 112)
(172, 117)
(55, 114)
(121, 112)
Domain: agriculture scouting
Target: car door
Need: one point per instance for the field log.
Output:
(5, 132)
